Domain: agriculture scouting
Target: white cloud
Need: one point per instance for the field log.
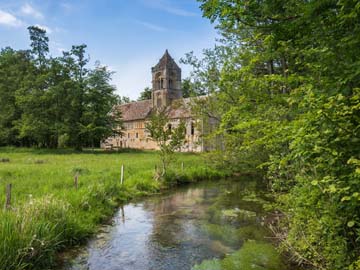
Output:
(44, 27)
(9, 19)
(167, 6)
(151, 26)
(28, 10)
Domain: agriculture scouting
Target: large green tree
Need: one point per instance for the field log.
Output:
(287, 99)
(33, 96)
(99, 119)
(14, 69)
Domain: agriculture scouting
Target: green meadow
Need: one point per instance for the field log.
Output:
(49, 214)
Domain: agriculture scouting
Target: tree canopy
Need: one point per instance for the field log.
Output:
(285, 89)
(145, 94)
(54, 101)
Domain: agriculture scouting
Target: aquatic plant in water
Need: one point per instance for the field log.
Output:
(253, 255)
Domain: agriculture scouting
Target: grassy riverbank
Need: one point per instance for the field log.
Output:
(49, 214)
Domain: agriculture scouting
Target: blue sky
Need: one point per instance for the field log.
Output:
(129, 36)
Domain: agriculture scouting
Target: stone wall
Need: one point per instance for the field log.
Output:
(135, 136)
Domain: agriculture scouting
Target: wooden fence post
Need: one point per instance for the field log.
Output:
(122, 174)
(8, 197)
(76, 180)
(122, 214)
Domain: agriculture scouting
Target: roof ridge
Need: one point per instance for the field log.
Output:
(135, 101)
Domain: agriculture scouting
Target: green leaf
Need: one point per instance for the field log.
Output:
(314, 182)
(351, 223)
(332, 188)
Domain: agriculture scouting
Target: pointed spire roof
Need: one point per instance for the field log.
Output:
(166, 61)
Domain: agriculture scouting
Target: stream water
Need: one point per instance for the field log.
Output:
(193, 227)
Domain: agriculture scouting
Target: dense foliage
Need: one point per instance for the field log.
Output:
(284, 88)
(51, 102)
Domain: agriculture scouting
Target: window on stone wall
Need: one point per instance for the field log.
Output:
(162, 83)
(192, 128)
(158, 102)
(137, 135)
(128, 135)
(169, 127)
(157, 81)
(170, 83)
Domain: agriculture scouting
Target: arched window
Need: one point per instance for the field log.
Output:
(192, 128)
(170, 83)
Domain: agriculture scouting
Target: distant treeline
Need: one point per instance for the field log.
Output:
(53, 102)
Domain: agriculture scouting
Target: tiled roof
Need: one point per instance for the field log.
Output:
(180, 108)
(135, 110)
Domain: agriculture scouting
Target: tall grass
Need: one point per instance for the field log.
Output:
(48, 214)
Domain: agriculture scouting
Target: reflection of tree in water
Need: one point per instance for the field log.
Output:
(173, 215)
(176, 238)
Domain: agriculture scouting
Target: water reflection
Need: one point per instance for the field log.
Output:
(177, 230)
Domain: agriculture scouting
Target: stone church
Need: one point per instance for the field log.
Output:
(166, 92)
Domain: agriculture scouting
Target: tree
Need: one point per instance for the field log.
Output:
(286, 96)
(168, 138)
(14, 69)
(145, 94)
(77, 61)
(33, 97)
(39, 44)
(98, 122)
(122, 100)
(186, 88)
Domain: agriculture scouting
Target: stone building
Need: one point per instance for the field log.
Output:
(166, 92)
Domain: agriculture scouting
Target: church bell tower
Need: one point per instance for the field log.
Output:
(166, 82)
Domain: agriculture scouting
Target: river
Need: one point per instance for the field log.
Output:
(192, 227)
